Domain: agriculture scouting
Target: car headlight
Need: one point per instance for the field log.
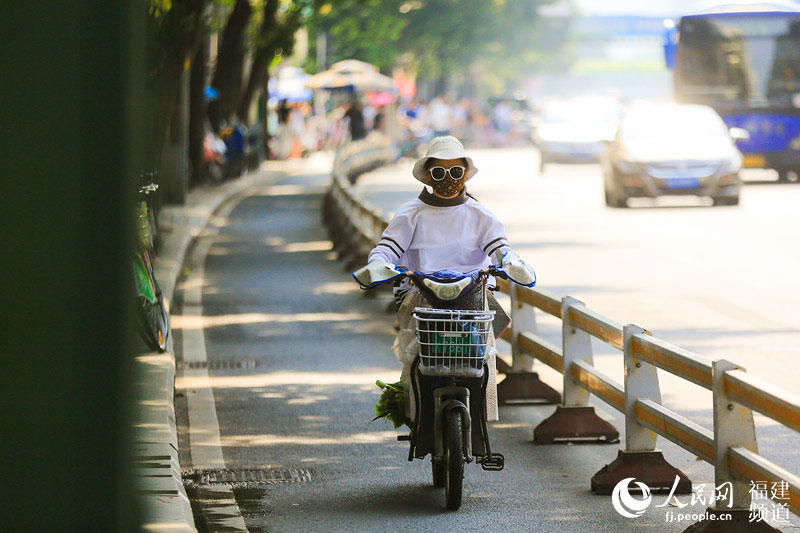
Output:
(731, 166)
(628, 167)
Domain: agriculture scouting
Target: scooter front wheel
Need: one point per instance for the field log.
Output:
(453, 459)
(439, 471)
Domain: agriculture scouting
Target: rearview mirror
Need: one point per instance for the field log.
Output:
(739, 135)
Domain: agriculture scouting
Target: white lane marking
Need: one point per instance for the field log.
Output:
(204, 438)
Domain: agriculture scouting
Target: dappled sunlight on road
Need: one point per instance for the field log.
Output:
(274, 241)
(227, 250)
(373, 437)
(309, 246)
(509, 425)
(335, 287)
(308, 400)
(192, 282)
(359, 376)
(285, 190)
(314, 418)
(272, 395)
(203, 322)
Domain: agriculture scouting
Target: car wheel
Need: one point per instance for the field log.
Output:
(615, 199)
(734, 200)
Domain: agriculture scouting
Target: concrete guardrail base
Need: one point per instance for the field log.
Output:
(647, 467)
(525, 387)
(574, 424)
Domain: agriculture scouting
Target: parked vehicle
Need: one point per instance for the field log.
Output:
(214, 156)
(450, 375)
(672, 149)
(574, 131)
(151, 312)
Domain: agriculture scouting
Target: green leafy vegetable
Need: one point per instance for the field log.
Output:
(391, 404)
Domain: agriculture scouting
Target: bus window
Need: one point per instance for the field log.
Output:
(752, 59)
(784, 81)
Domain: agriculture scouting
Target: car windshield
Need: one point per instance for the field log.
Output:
(673, 122)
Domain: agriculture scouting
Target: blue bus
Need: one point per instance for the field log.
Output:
(744, 61)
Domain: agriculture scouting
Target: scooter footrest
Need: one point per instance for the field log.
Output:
(404, 437)
(495, 462)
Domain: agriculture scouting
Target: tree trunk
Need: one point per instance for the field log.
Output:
(197, 113)
(230, 63)
(256, 82)
(165, 94)
(265, 133)
(173, 169)
(262, 57)
(174, 40)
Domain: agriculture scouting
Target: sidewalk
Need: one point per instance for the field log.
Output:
(164, 504)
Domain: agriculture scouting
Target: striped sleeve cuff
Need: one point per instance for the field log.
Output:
(392, 244)
(495, 245)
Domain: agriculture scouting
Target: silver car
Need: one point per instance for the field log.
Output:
(672, 149)
(574, 131)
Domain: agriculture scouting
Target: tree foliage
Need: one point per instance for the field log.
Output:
(442, 37)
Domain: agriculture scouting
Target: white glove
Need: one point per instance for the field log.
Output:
(517, 269)
(376, 271)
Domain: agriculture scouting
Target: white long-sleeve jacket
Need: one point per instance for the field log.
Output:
(431, 233)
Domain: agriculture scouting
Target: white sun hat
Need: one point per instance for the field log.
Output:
(445, 147)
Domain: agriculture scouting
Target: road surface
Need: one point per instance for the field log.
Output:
(280, 350)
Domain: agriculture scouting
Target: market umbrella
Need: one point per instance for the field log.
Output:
(289, 85)
(351, 73)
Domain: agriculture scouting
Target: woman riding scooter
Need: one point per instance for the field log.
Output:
(446, 229)
(448, 320)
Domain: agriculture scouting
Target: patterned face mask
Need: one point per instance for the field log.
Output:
(447, 187)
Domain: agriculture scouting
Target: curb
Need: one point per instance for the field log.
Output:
(162, 498)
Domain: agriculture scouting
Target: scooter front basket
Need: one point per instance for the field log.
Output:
(452, 342)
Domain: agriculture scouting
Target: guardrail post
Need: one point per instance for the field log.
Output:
(639, 459)
(522, 319)
(521, 383)
(733, 427)
(574, 420)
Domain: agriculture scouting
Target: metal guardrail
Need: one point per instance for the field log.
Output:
(730, 446)
(354, 225)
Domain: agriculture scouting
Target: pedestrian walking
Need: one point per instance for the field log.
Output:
(355, 115)
(440, 116)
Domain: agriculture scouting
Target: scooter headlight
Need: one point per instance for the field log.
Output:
(447, 291)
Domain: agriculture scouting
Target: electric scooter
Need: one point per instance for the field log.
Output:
(450, 374)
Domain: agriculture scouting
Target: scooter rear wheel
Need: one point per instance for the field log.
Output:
(453, 459)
